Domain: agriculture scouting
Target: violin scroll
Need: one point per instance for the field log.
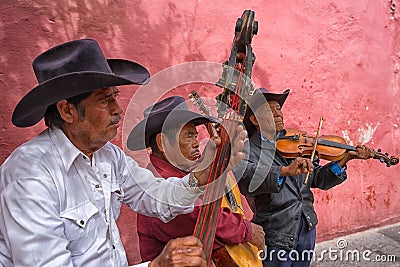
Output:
(384, 158)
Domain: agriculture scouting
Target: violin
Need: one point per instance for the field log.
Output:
(296, 143)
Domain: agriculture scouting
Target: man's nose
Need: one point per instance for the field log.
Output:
(276, 112)
(117, 110)
(196, 143)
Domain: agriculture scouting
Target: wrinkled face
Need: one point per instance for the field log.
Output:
(185, 152)
(100, 120)
(269, 118)
(277, 114)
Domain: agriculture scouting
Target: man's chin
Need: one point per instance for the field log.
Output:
(188, 166)
(279, 126)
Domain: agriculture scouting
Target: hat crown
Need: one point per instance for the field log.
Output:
(74, 56)
(169, 104)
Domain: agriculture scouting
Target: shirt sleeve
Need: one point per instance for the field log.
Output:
(39, 229)
(256, 173)
(280, 178)
(156, 197)
(143, 264)
(327, 176)
(232, 228)
(337, 169)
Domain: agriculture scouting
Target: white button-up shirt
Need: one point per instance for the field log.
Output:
(58, 208)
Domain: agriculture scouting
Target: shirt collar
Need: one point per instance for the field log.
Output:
(164, 168)
(264, 138)
(68, 152)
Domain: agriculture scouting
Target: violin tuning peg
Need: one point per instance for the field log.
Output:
(388, 164)
(382, 160)
(386, 154)
(379, 150)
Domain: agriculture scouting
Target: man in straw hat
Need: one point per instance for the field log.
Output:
(61, 192)
(170, 132)
(283, 203)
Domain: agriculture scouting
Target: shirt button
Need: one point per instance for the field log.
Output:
(81, 222)
(105, 175)
(97, 186)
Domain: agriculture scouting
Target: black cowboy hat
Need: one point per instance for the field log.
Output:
(170, 112)
(256, 100)
(71, 69)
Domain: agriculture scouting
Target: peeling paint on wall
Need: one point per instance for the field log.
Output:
(346, 137)
(365, 134)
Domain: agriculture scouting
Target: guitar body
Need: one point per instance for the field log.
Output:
(238, 255)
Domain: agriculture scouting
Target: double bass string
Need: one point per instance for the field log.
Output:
(205, 226)
(240, 61)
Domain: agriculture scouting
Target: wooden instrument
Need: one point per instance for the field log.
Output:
(296, 143)
(240, 255)
(237, 87)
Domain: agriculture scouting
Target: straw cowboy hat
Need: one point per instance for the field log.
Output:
(256, 100)
(71, 69)
(170, 112)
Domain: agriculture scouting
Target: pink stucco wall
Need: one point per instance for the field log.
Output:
(341, 59)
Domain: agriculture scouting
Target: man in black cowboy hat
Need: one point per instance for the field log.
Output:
(61, 192)
(283, 203)
(170, 132)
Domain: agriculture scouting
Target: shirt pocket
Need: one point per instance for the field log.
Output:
(80, 226)
(117, 198)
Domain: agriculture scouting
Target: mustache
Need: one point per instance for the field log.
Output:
(195, 153)
(115, 120)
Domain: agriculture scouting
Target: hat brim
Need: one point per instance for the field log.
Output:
(138, 138)
(255, 102)
(33, 105)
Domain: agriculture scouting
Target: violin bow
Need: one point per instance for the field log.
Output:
(315, 147)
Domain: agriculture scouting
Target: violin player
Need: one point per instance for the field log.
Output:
(283, 204)
(175, 150)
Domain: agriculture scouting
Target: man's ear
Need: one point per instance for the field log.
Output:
(253, 120)
(160, 139)
(66, 110)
